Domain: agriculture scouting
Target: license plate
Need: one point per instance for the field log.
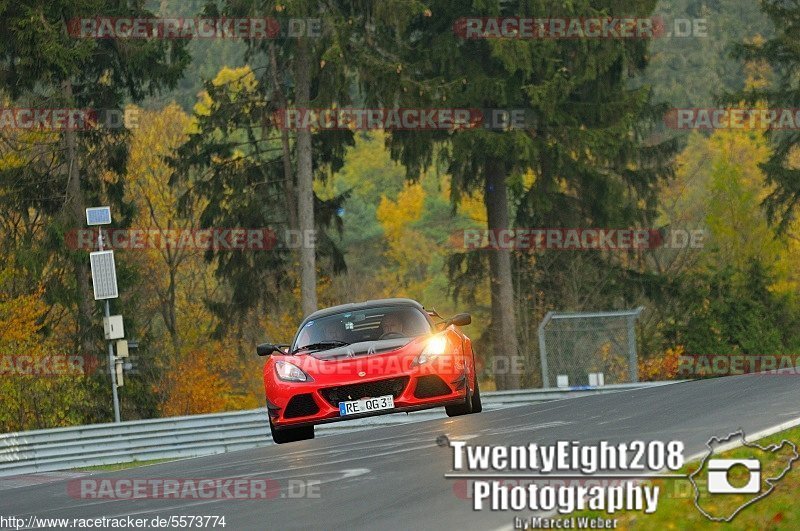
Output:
(366, 405)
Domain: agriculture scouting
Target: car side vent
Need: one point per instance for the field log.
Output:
(431, 385)
(301, 406)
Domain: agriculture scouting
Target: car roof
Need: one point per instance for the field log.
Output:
(354, 306)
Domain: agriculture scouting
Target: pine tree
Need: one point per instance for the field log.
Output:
(782, 53)
(581, 124)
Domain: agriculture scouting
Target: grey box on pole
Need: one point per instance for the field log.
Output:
(122, 348)
(113, 327)
(120, 378)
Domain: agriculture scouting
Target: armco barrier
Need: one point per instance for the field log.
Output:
(176, 437)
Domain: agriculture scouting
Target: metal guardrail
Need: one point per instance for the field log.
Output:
(177, 437)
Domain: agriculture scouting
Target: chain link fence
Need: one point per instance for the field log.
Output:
(597, 348)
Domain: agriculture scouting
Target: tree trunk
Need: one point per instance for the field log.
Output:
(305, 183)
(288, 175)
(74, 214)
(504, 330)
(170, 312)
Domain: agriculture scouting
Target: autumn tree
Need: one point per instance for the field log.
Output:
(733, 297)
(31, 400)
(158, 134)
(46, 66)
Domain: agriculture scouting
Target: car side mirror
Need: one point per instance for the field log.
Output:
(461, 319)
(265, 349)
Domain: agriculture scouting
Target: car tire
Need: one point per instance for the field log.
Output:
(287, 435)
(477, 407)
(464, 408)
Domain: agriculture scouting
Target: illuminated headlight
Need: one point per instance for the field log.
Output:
(290, 373)
(436, 346)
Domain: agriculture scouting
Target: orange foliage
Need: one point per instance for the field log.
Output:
(199, 382)
(663, 367)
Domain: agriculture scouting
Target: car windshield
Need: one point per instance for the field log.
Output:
(369, 324)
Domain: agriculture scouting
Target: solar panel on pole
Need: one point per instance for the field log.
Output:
(104, 275)
(98, 216)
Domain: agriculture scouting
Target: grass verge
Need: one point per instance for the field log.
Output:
(119, 466)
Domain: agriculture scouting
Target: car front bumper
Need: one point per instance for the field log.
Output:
(310, 403)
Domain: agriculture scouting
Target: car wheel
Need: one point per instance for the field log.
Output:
(465, 408)
(477, 407)
(287, 435)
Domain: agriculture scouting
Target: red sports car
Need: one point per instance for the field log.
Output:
(370, 358)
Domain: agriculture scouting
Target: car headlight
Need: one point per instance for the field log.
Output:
(289, 372)
(435, 346)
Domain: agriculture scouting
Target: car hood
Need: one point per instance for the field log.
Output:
(365, 348)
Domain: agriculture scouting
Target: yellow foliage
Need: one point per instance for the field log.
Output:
(409, 250)
(367, 160)
(19, 317)
(193, 386)
(719, 186)
(159, 134)
(280, 326)
(394, 216)
(239, 80)
(469, 204)
(613, 364)
(19, 147)
(197, 376)
(473, 207)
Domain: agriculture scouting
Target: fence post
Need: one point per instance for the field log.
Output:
(633, 362)
(543, 351)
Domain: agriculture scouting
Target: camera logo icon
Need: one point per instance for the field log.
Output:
(719, 483)
(748, 479)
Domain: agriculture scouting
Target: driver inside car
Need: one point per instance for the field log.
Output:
(392, 326)
(333, 331)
